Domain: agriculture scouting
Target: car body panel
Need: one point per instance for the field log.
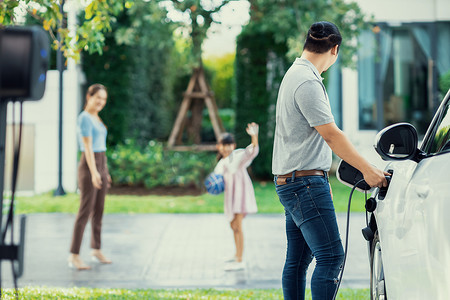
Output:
(413, 222)
(415, 231)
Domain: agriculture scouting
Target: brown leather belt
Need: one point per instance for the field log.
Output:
(281, 179)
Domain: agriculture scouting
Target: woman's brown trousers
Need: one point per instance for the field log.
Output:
(91, 204)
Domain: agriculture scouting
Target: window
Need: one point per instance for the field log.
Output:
(334, 89)
(396, 70)
(405, 85)
(440, 140)
(367, 80)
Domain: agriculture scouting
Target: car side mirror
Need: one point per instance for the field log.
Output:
(397, 142)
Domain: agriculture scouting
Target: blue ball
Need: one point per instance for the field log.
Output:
(214, 184)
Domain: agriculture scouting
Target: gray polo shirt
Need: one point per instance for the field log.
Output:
(302, 104)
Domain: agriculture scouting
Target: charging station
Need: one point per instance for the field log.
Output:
(24, 61)
(352, 177)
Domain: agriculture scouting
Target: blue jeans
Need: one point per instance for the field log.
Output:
(311, 231)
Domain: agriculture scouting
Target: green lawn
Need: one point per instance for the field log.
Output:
(267, 203)
(265, 196)
(210, 294)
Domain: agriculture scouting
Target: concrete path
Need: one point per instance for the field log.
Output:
(171, 251)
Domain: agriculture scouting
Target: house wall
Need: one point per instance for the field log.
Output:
(38, 165)
(406, 10)
(392, 12)
(43, 117)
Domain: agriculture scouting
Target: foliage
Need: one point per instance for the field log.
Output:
(265, 194)
(111, 69)
(89, 35)
(201, 16)
(222, 83)
(228, 117)
(150, 85)
(33, 293)
(289, 22)
(440, 140)
(260, 63)
(274, 36)
(444, 82)
(152, 166)
(181, 68)
(135, 67)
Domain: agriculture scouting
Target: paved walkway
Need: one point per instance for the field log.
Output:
(171, 251)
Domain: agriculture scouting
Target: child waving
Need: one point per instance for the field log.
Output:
(239, 197)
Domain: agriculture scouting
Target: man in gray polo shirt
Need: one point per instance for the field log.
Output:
(305, 135)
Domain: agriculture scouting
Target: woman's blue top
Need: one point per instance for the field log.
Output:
(88, 126)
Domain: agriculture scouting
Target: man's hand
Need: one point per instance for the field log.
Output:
(375, 177)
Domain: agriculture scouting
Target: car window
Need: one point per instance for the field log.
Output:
(441, 141)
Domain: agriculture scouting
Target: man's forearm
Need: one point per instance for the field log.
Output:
(342, 147)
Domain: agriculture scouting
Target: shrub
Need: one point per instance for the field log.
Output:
(152, 165)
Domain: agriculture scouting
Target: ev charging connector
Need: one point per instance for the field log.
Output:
(352, 177)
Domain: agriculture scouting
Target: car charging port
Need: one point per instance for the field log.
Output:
(382, 192)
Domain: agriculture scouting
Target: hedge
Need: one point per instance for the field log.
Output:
(151, 166)
(260, 66)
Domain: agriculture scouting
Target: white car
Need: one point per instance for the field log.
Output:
(409, 228)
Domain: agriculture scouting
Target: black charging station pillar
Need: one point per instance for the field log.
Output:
(12, 252)
(24, 58)
(3, 110)
(59, 62)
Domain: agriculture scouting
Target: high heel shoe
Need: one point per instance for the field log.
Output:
(75, 262)
(98, 256)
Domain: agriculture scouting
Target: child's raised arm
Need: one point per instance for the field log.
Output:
(252, 130)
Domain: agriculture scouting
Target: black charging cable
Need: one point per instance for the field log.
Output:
(346, 236)
(15, 170)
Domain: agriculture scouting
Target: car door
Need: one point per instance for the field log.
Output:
(430, 190)
(412, 223)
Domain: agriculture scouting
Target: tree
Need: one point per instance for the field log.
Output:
(260, 65)
(267, 45)
(149, 36)
(289, 21)
(221, 69)
(89, 35)
(136, 66)
(201, 16)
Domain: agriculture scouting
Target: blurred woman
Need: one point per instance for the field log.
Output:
(93, 176)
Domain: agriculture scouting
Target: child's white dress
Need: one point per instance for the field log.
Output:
(239, 193)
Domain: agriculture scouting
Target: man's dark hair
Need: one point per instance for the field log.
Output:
(322, 36)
